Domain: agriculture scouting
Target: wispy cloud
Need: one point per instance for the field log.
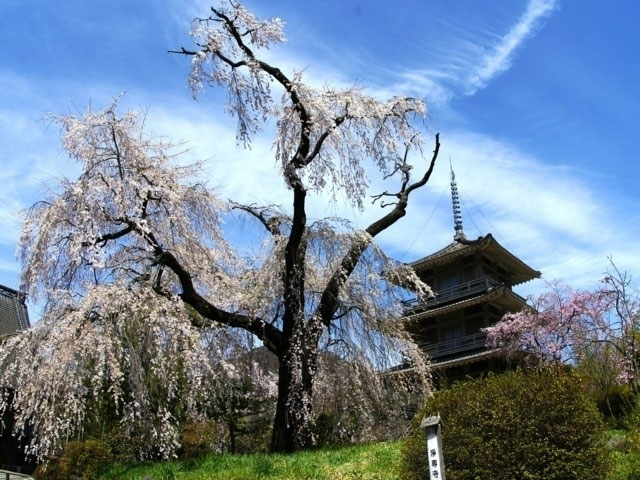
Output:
(500, 57)
(465, 58)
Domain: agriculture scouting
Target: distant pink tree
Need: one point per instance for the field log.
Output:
(565, 325)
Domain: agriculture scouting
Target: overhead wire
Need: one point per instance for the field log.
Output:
(493, 228)
(468, 213)
(425, 224)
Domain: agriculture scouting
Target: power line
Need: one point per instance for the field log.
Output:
(425, 225)
(468, 212)
(488, 221)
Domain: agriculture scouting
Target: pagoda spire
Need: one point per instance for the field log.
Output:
(457, 213)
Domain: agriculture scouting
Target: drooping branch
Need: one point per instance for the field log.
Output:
(299, 159)
(272, 223)
(268, 333)
(103, 239)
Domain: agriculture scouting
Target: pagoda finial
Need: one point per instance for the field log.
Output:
(455, 199)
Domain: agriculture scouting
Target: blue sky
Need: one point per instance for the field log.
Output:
(536, 102)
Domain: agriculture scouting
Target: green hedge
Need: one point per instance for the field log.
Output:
(515, 426)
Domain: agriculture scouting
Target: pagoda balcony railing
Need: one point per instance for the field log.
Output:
(461, 290)
(455, 345)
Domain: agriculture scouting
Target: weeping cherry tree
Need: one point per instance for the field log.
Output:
(134, 247)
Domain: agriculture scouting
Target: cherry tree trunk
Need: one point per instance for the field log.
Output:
(293, 423)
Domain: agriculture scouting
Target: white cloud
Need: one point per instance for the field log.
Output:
(500, 57)
(466, 62)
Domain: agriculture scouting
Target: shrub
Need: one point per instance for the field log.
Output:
(52, 470)
(198, 438)
(126, 445)
(81, 460)
(87, 459)
(324, 428)
(631, 418)
(254, 435)
(614, 403)
(537, 424)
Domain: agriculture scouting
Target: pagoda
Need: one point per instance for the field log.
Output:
(472, 282)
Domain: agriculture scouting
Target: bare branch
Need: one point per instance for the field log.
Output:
(428, 173)
(183, 51)
(383, 194)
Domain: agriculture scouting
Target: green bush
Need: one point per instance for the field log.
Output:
(197, 438)
(515, 426)
(614, 403)
(324, 427)
(631, 418)
(625, 466)
(52, 470)
(81, 460)
(126, 446)
(87, 459)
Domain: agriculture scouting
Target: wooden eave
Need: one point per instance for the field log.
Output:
(504, 297)
(520, 271)
(454, 362)
(466, 359)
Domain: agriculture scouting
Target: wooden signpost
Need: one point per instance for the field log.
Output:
(435, 460)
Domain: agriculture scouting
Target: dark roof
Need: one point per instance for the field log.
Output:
(466, 359)
(454, 362)
(455, 246)
(13, 311)
(460, 247)
(502, 296)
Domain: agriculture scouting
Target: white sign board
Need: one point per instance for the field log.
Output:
(434, 455)
(434, 447)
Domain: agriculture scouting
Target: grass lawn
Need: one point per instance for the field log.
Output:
(364, 462)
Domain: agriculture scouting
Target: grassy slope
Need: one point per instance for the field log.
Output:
(364, 462)
(625, 461)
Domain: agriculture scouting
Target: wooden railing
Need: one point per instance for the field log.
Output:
(7, 475)
(455, 345)
(479, 285)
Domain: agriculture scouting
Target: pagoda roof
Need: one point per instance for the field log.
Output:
(436, 365)
(462, 247)
(502, 296)
(466, 359)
